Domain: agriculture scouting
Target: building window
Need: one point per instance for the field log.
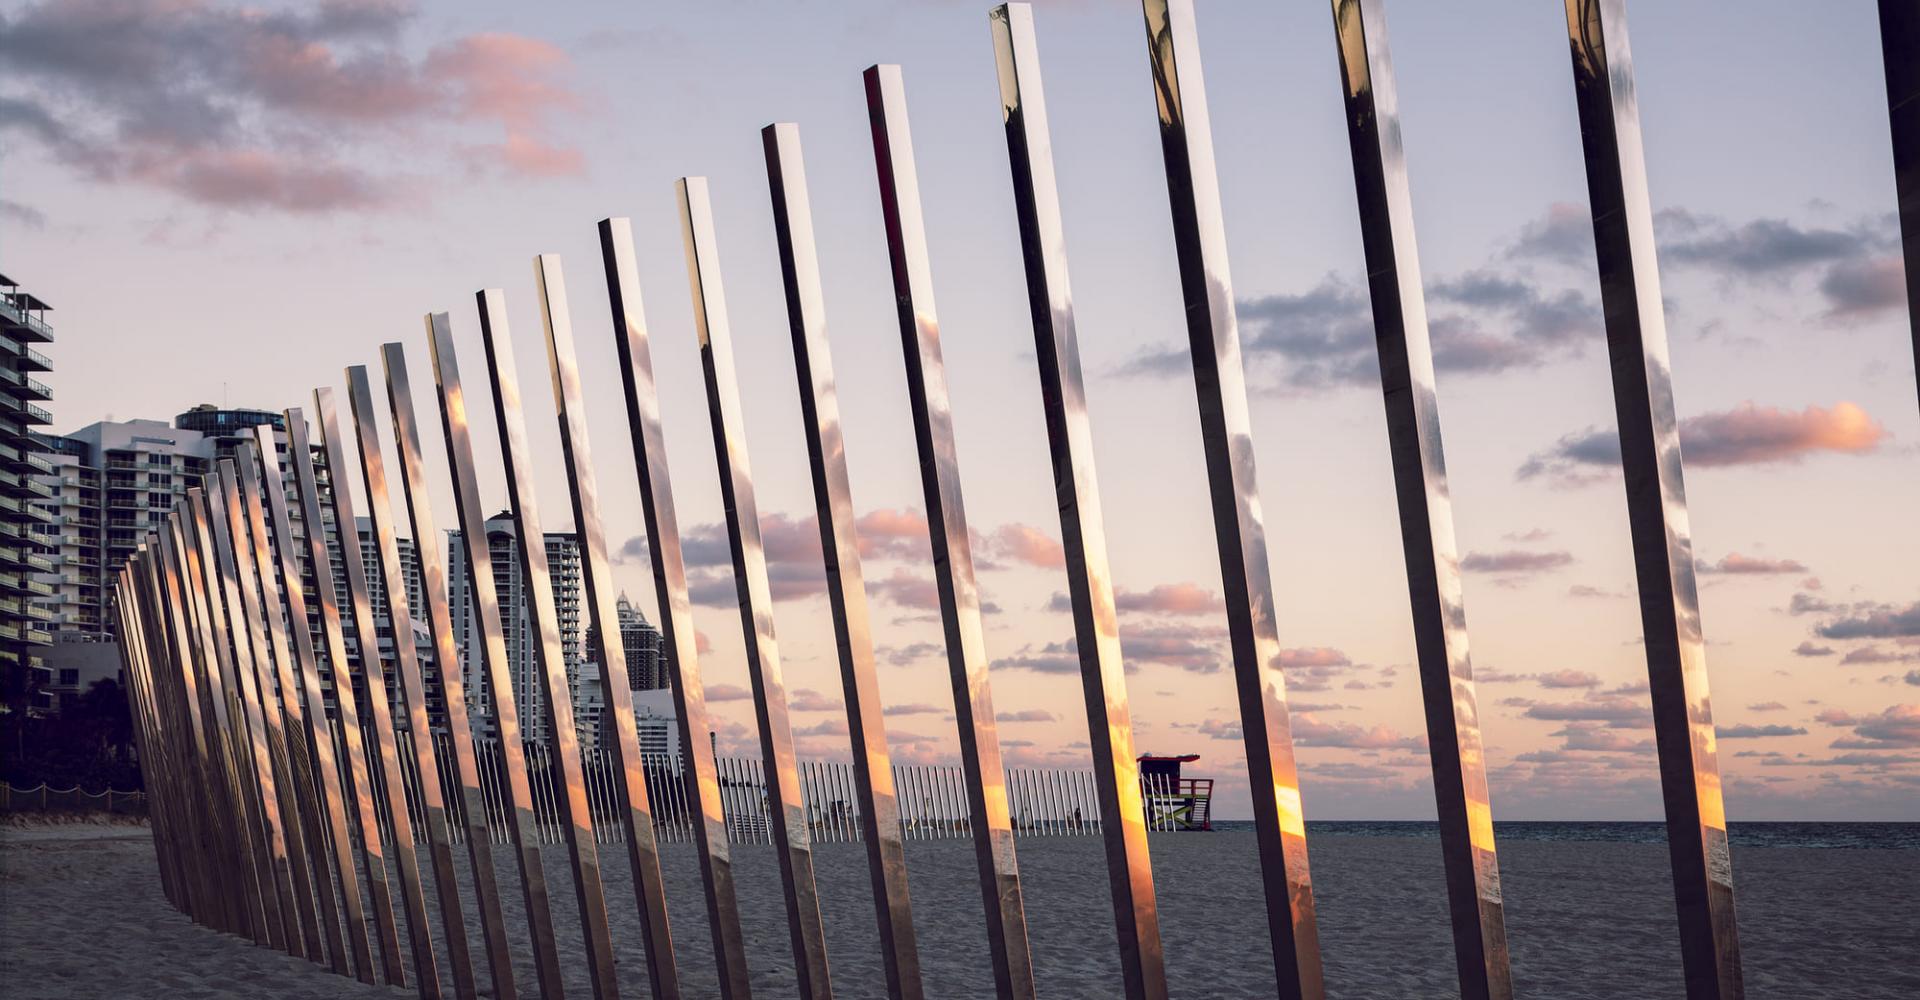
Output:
(69, 677)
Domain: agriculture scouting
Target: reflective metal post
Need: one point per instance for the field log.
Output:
(245, 823)
(1077, 491)
(1426, 504)
(319, 736)
(215, 897)
(570, 805)
(1900, 48)
(1656, 495)
(676, 611)
(846, 587)
(523, 826)
(351, 743)
(367, 630)
(947, 527)
(283, 716)
(1226, 428)
(788, 810)
(427, 543)
(373, 477)
(643, 853)
(271, 782)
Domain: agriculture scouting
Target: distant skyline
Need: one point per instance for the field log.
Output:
(229, 203)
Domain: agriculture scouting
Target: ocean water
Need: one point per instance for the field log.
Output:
(1872, 836)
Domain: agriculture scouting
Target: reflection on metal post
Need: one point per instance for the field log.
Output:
(1426, 505)
(947, 528)
(1900, 47)
(846, 590)
(351, 743)
(643, 854)
(550, 660)
(393, 580)
(1656, 496)
(678, 638)
(270, 751)
(259, 904)
(1077, 492)
(499, 684)
(782, 783)
(372, 667)
(453, 693)
(1226, 427)
(319, 736)
(310, 801)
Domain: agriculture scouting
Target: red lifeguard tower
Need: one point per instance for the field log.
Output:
(1174, 803)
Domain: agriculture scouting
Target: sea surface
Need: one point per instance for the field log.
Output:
(1871, 836)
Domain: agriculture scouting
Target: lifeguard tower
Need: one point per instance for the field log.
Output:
(1174, 803)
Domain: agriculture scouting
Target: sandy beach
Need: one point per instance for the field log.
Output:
(81, 915)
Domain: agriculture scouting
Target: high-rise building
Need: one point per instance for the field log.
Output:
(26, 502)
(112, 482)
(563, 564)
(642, 643)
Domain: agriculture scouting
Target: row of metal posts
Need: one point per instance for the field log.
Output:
(258, 803)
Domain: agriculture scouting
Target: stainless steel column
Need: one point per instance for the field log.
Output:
(1083, 531)
(676, 612)
(367, 630)
(1226, 427)
(1656, 495)
(247, 828)
(1426, 504)
(333, 801)
(427, 542)
(263, 713)
(524, 825)
(1900, 51)
(846, 587)
(393, 580)
(788, 810)
(947, 527)
(536, 584)
(636, 812)
(372, 848)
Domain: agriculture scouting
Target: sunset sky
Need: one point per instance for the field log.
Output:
(232, 202)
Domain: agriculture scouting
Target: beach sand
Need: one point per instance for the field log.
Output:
(81, 915)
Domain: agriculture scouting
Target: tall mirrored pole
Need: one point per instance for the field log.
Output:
(223, 872)
(550, 661)
(947, 528)
(310, 746)
(215, 892)
(1077, 492)
(207, 608)
(336, 803)
(789, 810)
(678, 639)
(1426, 504)
(1656, 495)
(366, 628)
(1900, 49)
(246, 645)
(643, 853)
(352, 742)
(1226, 429)
(291, 781)
(393, 581)
(522, 826)
(879, 807)
(427, 542)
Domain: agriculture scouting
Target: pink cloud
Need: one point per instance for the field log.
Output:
(1735, 563)
(1170, 599)
(892, 533)
(1025, 544)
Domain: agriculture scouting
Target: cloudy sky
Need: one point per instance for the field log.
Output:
(231, 203)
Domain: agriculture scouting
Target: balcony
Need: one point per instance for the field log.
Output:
(19, 310)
